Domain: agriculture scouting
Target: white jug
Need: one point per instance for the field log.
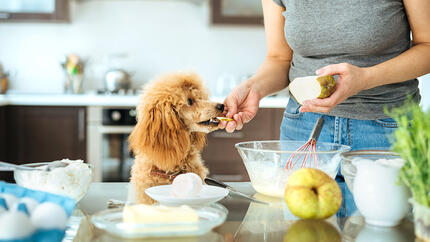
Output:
(379, 195)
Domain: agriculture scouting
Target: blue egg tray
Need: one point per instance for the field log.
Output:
(40, 235)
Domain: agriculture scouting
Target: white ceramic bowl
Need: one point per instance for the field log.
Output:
(349, 170)
(73, 182)
(373, 178)
(266, 162)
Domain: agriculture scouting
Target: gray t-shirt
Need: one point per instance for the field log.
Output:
(360, 32)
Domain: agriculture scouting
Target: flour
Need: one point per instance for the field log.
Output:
(398, 162)
(268, 179)
(72, 181)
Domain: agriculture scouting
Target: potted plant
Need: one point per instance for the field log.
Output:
(412, 143)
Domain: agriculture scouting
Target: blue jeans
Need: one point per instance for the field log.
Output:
(358, 134)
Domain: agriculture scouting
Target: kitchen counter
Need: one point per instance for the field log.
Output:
(245, 222)
(103, 100)
(3, 100)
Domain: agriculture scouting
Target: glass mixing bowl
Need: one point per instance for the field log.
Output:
(266, 162)
(72, 181)
(348, 169)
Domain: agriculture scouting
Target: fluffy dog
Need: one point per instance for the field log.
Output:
(173, 117)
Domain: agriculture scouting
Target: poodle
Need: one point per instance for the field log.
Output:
(173, 117)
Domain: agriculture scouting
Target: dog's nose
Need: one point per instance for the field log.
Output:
(220, 107)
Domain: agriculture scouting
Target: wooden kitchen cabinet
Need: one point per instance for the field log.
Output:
(220, 155)
(4, 175)
(34, 11)
(2, 133)
(231, 12)
(44, 133)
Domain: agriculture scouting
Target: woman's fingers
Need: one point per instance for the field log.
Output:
(313, 106)
(324, 105)
(334, 69)
(241, 105)
(349, 83)
(222, 124)
(230, 104)
(231, 126)
(239, 122)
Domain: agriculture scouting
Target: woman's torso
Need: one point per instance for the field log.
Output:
(360, 32)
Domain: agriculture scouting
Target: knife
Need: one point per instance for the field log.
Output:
(213, 182)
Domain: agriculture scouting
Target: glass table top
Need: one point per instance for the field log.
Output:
(246, 221)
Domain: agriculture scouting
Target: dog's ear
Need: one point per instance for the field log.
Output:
(160, 135)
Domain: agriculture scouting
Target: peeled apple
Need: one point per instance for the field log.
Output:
(311, 87)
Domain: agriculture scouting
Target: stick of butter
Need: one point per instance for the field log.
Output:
(224, 119)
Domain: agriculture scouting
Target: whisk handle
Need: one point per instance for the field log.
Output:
(317, 128)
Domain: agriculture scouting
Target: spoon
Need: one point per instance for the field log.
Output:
(47, 166)
(213, 182)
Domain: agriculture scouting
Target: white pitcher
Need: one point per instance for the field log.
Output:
(378, 194)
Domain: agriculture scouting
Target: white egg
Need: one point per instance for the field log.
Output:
(15, 225)
(2, 210)
(49, 216)
(3, 203)
(186, 185)
(196, 178)
(30, 203)
(21, 207)
(10, 199)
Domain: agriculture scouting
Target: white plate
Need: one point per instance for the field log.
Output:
(208, 194)
(210, 216)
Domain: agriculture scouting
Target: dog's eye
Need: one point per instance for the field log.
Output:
(190, 101)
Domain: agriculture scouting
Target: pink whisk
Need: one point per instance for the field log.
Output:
(308, 150)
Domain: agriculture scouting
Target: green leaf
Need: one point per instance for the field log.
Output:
(412, 143)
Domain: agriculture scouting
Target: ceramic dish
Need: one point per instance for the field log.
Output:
(208, 194)
(348, 167)
(209, 217)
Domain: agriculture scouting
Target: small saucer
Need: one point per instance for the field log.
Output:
(208, 194)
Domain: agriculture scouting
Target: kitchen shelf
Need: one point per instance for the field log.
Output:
(59, 14)
(44, 99)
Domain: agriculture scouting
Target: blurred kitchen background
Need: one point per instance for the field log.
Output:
(71, 72)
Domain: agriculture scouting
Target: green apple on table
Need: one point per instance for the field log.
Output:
(312, 194)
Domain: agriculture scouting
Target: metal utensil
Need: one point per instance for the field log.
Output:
(114, 203)
(308, 150)
(213, 182)
(4, 166)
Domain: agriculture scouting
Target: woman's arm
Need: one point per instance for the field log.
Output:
(414, 62)
(410, 64)
(272, 75)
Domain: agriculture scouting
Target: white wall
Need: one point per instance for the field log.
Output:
(425, 90)
(158, 36)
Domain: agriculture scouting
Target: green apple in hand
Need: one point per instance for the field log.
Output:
(312, 230)
(312, 194)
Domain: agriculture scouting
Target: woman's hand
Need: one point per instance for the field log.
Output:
(241, 105)
(352, 79)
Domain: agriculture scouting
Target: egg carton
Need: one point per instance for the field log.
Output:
(30, 215)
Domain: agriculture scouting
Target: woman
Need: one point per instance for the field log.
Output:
(366, 44)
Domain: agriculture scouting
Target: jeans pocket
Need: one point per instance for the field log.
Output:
(292, 110)
(386, 122)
